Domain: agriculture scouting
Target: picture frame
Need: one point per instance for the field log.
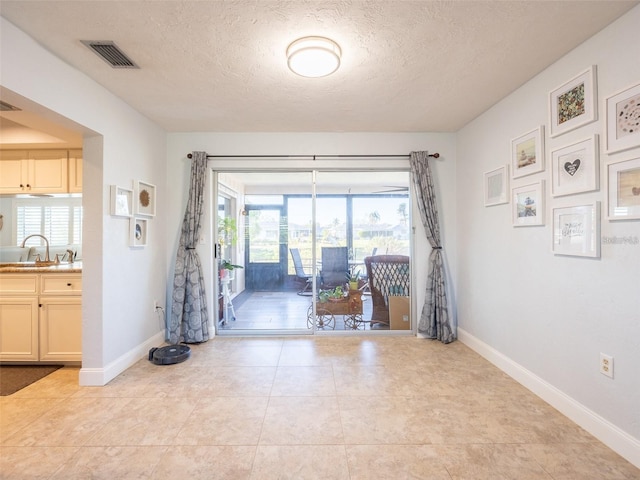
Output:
(496, 186)
(623, 180)
(121, 201)
(138, 232)
(527, 153)
(576, 230)
(623, 117)
(145, 198)
(575, 168)
(574, 103)
(528, 205)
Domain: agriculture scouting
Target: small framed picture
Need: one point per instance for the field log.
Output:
(528, 205)
(576, 230)
(138, 232)
(624, 190)
(527, 153)
(496, 186)
(575, 168)
(145, 199)
(574, 103)
(623, 120)
(121, 201)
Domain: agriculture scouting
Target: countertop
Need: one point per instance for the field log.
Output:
(30, 267)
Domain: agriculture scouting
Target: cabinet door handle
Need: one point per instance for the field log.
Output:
(40, 305)
(69, 284)
(21, 185)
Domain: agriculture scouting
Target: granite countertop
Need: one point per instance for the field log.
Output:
(30, 267)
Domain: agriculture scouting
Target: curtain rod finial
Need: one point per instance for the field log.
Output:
(435, 155)
(189, 155)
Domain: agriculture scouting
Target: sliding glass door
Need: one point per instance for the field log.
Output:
(301, 241)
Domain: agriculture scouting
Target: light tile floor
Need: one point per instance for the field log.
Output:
(299, 408)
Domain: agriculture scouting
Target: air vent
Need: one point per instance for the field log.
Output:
(110, 53)
(5, 107)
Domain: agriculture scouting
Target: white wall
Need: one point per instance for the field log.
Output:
(179, 145)
(553, 315)
(120, 145)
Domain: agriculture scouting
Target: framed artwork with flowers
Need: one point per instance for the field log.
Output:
(145, 199)
(574, 103)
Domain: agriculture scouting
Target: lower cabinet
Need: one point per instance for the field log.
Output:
(61, 328)
(42, 325)
(19, 329)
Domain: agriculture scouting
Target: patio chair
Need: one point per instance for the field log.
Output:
(388, 275)
(335, 266)
(300, 273)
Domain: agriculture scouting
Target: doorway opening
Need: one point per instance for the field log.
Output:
(299, 243)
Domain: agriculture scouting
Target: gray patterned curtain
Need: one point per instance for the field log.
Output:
(189, 318)
(434, 320)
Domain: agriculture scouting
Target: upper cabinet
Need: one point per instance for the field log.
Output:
(40, 171)
(75, 171)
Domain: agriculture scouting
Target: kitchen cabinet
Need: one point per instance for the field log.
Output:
(34, 171)
(19, 328)
(75, 171)
(41, 317)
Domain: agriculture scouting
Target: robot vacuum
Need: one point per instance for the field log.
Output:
(169, 355)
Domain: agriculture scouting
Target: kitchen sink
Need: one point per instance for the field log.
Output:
(12, 265)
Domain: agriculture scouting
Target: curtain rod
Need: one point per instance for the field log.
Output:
(313, 157)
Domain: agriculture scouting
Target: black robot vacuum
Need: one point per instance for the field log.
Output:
(169, 355)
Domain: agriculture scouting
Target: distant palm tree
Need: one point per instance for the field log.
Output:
(374, 217)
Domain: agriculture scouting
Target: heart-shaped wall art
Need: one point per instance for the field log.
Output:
(572, 168)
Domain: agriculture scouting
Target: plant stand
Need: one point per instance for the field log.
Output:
(349, 307)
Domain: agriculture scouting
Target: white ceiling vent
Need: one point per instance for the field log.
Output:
(110, 53)
(6, 107)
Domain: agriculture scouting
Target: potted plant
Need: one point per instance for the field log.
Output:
(337, 294)
(323, 296)
(227, 268)
(353, 278)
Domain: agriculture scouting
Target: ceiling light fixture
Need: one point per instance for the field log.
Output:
(313, 56)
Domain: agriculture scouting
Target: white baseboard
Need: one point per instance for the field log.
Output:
(618, 440)
(98, 377)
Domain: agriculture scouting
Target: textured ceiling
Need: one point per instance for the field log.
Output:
(407, 66)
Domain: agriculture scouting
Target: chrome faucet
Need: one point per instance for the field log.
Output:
(46, 252)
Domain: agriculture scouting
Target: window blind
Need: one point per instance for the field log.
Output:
(58, 219)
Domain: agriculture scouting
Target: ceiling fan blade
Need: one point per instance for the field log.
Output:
(393, 188)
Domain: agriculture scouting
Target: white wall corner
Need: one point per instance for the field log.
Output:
(98, 377)
(618, 440)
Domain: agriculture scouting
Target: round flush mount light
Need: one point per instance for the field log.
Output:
(313, 56)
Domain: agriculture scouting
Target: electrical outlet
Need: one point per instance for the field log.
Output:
(606, 365)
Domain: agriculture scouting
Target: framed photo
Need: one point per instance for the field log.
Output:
(624, 190)
(623, 120)
(121, 201)
(138, 232)
(496, 186)
(528, 205)
(576, 230)
(527, 153)
(574, 103)
(575, 168)
(145, 199)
